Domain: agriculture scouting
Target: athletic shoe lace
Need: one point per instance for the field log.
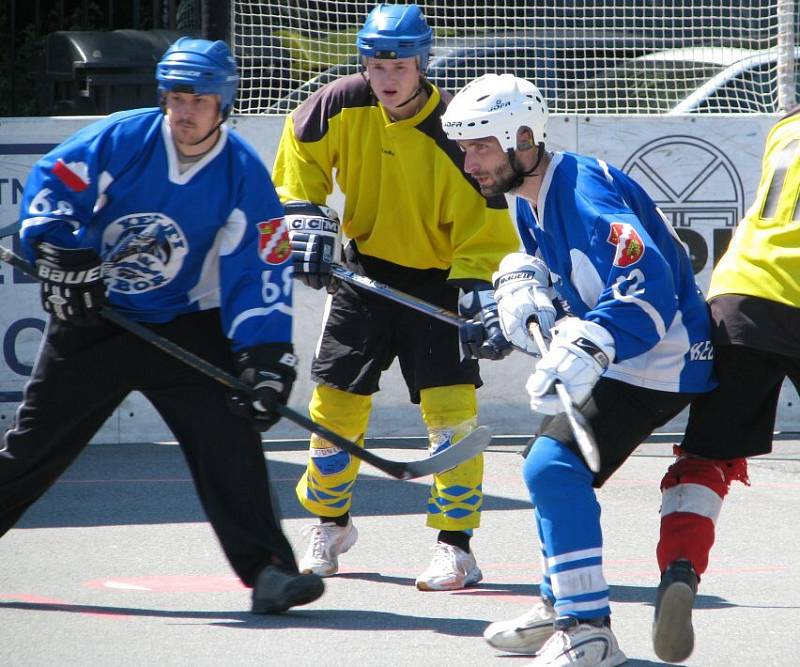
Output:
(445, 557)
(538, 613)
(321, 535)
(559, 643)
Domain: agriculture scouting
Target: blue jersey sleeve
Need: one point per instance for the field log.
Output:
(65, 186)
(255, 265)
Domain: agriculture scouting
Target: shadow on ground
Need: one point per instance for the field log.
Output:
(145, 484)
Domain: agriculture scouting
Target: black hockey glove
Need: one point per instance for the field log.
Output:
(270, 370)
(316, 240)
(72, 285)
(481, 337)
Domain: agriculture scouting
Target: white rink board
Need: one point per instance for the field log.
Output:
(703, 172)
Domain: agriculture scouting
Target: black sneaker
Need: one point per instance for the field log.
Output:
(277, 590)
(673, 636)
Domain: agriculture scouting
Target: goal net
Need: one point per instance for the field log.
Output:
(587, 56)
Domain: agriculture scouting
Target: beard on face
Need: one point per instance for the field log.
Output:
(505, 180)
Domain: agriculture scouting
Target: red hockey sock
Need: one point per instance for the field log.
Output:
(692, 492)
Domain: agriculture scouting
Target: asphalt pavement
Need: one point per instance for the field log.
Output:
(115, 565)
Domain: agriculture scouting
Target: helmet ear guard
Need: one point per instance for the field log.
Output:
(497, 105)
(199, 67)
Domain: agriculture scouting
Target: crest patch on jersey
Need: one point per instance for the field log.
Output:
(141, 252)
(74, 175)
(630, 246)
(273, 241)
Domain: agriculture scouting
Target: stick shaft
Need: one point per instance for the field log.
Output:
(580, 427)
(409, 300)
(394, 468)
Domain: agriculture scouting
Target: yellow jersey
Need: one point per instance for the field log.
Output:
(763, 258)
(407, 199)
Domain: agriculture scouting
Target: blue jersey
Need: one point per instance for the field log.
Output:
(172, 243)
(615, 260)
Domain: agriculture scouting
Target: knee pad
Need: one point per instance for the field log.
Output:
(449, 413)
(444, 406)
(340, 411)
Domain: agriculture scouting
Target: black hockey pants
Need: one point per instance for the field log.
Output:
(81, 376)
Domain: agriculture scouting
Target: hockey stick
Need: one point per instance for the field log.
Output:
(466, 448)
(409, 300)
(580, 427)
(9, 230)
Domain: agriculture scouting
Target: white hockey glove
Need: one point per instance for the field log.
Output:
(316, 239)
(579, 354)
(523, 292)
(481, 337)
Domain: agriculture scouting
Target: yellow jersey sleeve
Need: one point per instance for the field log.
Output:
(302, 170)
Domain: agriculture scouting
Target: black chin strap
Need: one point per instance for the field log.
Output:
(520, 174)
(211, 131)
(416, 94)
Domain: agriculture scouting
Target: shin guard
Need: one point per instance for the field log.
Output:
(326, 487)
(456, 495)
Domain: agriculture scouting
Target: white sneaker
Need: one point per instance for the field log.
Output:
(451, 569)
(327, 542)
(583, 645)
(524, 634)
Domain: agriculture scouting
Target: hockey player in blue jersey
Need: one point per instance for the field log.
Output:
(166, 216)
(632, 350)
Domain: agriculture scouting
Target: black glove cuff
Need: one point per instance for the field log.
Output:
(67, 257)
(277, 356)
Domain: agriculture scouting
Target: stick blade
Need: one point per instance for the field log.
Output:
(465, 449)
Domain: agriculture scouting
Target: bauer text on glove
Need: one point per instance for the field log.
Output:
(72, 286)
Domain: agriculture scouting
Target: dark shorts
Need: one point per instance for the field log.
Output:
(756, 347)
(621, 417)
(365, 332)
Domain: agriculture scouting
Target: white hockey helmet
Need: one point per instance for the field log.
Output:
(496, 105)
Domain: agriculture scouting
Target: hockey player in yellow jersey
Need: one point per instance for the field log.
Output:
(754, 297)
(416, 223)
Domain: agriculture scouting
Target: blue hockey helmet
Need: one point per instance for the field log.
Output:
(395, 31)
(200, 67)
